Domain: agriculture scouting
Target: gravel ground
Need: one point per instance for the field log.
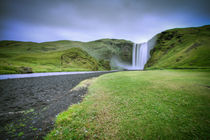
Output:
(28, 106)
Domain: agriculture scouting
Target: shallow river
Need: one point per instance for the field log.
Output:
(14, 76)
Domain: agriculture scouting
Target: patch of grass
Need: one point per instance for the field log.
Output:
(20, 134)
(34, 129)
(181, 48)
(158, 104)
(12, 128)
(83, 84)
(29, 111)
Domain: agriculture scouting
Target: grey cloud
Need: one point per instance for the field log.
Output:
(120, 18)
(63, 12)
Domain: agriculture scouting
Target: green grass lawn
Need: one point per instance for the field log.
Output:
(158, 104)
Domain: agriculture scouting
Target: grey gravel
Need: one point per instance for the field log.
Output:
(28, 106)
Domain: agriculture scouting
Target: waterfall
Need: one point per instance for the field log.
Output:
(140, 56)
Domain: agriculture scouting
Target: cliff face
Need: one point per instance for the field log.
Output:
(181, 48)
(107, 48)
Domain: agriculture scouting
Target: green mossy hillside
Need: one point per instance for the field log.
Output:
(27, 57)
(76, 57)
(107, 48)
(181, 48)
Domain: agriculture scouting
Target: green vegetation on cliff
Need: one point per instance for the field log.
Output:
(26, 57)
(148, 105)
(181, 48)
(77, 58)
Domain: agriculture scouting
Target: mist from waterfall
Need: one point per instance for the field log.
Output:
(140, 56)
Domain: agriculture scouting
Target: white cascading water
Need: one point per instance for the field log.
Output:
(140, 56)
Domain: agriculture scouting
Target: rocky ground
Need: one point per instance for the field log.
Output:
(28, 106)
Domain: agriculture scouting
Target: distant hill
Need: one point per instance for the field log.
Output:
(181, 48)
(26, 57)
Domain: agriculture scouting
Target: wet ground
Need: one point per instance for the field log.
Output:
(28, 106)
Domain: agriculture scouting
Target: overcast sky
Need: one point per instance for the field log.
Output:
(87, 20)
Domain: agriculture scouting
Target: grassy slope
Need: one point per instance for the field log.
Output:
(76, 57)
(182, 48)
(46, 57)
(159, 104)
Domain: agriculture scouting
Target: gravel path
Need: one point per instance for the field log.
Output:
(28, 106)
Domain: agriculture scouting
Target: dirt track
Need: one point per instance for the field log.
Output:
(29, 106)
